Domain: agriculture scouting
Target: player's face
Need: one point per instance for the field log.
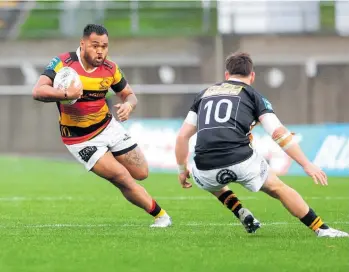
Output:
(95, 49)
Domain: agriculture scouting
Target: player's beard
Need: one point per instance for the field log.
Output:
(93, 62)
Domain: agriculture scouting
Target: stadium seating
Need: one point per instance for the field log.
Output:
(153, 17)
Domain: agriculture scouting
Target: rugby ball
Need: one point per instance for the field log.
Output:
(63, 80)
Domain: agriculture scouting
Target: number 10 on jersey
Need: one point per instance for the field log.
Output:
(218, 112)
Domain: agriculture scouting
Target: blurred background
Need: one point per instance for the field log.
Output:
(169, 51)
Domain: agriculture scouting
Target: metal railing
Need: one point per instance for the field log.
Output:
(28, 69)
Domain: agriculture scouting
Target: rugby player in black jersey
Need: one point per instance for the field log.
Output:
(223, 116)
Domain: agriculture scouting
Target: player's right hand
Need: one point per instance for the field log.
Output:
(74, 92)
(316, 174)
(182, 178)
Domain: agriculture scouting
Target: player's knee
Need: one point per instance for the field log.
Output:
(275, 188)
(279, 190)
(141, 174)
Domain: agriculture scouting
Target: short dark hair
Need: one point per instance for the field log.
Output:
(93, 28)
(239, 63)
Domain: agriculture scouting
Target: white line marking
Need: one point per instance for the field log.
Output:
(190, 224)
(209, 197)
(176, 198)
(327, 197)
(44, 198)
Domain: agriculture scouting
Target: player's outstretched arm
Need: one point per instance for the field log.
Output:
(187, 130)
(285, 139)
(44, 92)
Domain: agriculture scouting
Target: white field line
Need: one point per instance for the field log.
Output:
(176, 198)
(190, 224)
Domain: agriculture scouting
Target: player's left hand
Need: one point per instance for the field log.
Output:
(316, 174)
(182, 178)
(123, 111)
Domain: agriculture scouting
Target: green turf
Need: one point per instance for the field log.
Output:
(57, 217)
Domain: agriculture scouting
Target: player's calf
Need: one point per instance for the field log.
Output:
(110, 169)
(296, 205)
(230, 200)
(312, 221)
(315, 223)
(138, 196)
(162, 219)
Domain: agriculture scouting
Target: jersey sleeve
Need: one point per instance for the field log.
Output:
(53, 67)
(262, 105)
(119, 82)
(192, 116)
(195, 106)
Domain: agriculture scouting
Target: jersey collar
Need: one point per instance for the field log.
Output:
(234, 79)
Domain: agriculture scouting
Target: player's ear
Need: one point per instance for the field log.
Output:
(82, 43)
(226, 75)
(252, 77)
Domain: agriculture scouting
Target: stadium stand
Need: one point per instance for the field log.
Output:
(123, 18)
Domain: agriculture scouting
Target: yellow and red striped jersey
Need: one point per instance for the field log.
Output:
(90, 114)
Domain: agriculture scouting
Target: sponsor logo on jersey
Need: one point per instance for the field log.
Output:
(108, 65)
(224, 88)
(267, 104)
(65, 132)
(53, 63)
(105, 84)
(68, 60)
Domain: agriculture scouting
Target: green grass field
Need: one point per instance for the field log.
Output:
(57, 217)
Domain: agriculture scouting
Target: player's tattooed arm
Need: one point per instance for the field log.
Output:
(46, 99)
(44, 92)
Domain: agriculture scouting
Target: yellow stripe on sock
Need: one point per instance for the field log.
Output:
(228, 199)
(235, 205)
(317, 225)
(161, 213)
(314, 222)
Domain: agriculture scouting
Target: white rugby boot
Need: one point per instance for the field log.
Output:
(247, 219)
(162, 222)
(331, 233)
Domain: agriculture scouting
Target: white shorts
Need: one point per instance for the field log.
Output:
(251, 173)
(113, 138)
